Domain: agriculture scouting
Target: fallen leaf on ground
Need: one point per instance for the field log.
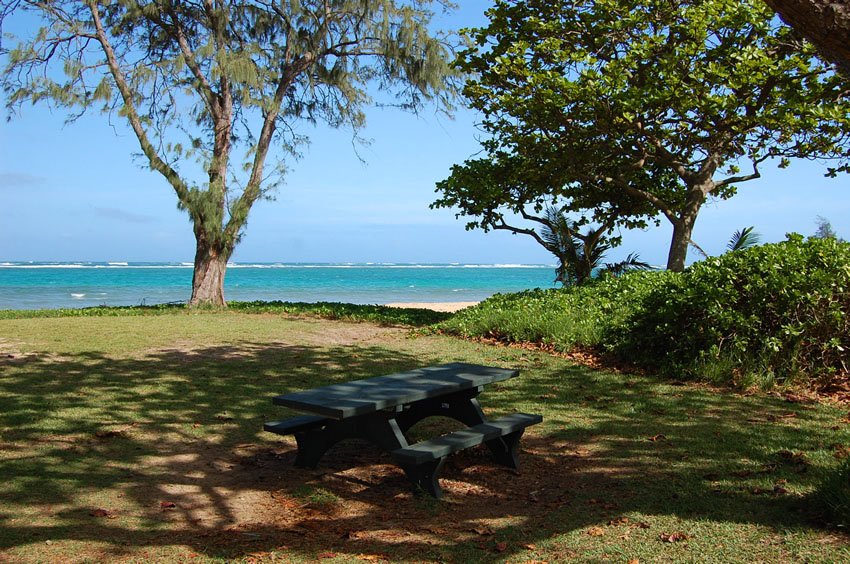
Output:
(326, 555)
(501, 546)
(103, 513)
(657, 438)
(673, 537)
(596, 531)
(167, 505)
(373, 557)
(840, 451)
(619, 521)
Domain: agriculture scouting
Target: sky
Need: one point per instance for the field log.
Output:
(75, 192)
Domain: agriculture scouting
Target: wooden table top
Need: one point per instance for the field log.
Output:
(358, 397)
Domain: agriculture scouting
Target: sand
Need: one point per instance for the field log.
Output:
(436, 306)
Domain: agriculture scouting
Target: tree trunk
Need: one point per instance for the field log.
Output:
(826, 23)
(682, 231)
(208, 277)
(683, 228)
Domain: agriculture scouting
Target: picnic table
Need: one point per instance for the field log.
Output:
(382, 410)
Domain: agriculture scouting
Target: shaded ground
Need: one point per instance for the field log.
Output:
(147, 446)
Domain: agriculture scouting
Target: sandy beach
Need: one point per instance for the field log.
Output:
(436, 306)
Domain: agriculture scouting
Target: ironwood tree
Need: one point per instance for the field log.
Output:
(662, 101)
(222, 86)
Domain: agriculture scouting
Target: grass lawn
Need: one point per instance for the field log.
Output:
(139, 438)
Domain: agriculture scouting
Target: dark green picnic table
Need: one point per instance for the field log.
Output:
(382, 410)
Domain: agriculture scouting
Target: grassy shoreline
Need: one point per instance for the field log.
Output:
(327, 310)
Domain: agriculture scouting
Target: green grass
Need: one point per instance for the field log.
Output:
(123, 413)
(326, 310)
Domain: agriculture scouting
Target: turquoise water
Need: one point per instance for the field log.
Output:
(34, 285)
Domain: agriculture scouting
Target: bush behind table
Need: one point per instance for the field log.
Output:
(772, 313)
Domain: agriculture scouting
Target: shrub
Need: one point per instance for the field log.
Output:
(770, 312)
(754, 316)
(566, 318)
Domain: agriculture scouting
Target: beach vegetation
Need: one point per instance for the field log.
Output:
(608, 104)
(381, 315)
(771, 314)
(743, 239)
(140, 438)
(214, 91)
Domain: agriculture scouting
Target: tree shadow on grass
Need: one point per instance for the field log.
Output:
(164, 453)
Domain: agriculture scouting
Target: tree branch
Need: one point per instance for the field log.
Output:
(741, 178)
(132, 114)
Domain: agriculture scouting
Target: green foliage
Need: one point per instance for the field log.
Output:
(766, 314)
(781, 310)
(605, 103)
(327, 310)
(565, 318)
(743, 239)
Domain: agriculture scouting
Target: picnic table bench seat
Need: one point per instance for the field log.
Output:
(423, 461)
(297, 424)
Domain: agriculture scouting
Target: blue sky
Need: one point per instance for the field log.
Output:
(75, 192)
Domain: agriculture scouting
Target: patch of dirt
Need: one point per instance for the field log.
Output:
(322, 335)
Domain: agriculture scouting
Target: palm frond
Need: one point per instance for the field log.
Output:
(631, 262)
(743, 239)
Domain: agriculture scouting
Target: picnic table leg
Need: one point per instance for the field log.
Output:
(463, 407)
(424, 476)
(376, 428)
(313, 444)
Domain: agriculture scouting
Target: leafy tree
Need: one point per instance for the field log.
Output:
(224, 84)
(580, 254)
(526, 194)
(656, 101)
(825, 230)
(826, 23)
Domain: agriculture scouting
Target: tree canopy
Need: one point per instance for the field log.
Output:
(624, 104)
(223, 85)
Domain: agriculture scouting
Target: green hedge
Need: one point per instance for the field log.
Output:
(773, 311)
(768, 313)
(566, 318)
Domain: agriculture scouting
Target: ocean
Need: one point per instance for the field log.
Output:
(45, 285)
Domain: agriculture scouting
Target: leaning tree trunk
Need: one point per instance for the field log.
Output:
(208, 277)
(682, 231)
(683, 228)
